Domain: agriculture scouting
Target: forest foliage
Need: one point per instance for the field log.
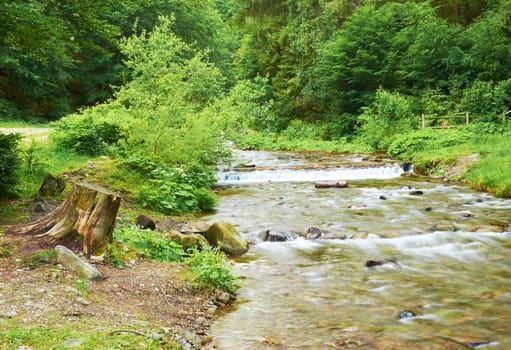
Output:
(163, 84)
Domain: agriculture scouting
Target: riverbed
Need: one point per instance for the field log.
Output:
(403, 262)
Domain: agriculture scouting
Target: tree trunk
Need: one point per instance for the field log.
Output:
(88, 211)
(338, 184)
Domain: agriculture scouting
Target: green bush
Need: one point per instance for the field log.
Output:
(10, 162)
(152, 243)
(172, 194)
(86, 134)
(172, 191)
(212, 270)
(388, 116)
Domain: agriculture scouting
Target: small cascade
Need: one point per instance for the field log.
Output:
(307, 174)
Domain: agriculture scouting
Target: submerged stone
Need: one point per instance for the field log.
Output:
(406, 314)
(372, 263)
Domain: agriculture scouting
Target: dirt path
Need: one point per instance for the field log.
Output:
(39, 134)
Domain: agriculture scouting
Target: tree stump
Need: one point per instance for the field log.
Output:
(88, 211)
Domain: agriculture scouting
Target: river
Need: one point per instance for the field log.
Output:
(404, 263)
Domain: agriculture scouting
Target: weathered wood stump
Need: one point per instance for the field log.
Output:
(88, 211)
(338, 184)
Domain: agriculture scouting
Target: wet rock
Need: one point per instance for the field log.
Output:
(71, 261)
(406, 314)
(407, 167)
(224, 235)
(372, 263)
(281, 236)
(416, 193)
(383, 198)
(145, 222)
(477, 344)
(221, 297)
(428, 209)
(313, 233)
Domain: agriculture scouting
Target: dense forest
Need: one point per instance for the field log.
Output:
(320, 60)
(161, 84)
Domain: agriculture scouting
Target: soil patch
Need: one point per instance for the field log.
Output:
(144, 295)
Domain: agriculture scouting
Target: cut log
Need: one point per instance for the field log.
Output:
(338, 184)
(89, 211)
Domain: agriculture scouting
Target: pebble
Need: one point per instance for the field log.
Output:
(83, 301)
(156, 336)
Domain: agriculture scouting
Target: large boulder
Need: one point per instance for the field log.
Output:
(224, 235)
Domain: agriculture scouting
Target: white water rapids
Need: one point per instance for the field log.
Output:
(443, 256)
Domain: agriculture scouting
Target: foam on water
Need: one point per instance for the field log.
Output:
(305, 175)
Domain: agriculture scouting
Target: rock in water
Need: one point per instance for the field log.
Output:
(224, 235)
(70, 261)
(406, 314)
(373, 263)
(416, 193)
(280, 236)
(314, 233)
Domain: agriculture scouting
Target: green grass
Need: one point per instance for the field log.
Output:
(41, 160)
(54, 337)
(490, 174)
(21, 124)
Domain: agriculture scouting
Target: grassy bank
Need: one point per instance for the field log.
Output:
(490, 174)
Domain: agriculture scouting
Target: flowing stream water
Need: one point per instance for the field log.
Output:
(442, 256)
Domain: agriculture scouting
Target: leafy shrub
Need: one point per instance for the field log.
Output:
(86, 134)
(152, 243)
(211, 270)
(390, 115)
(9, 163)
(487, 99)
(405, 145)
(173, 191)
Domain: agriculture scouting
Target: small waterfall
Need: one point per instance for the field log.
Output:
(306, 175)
